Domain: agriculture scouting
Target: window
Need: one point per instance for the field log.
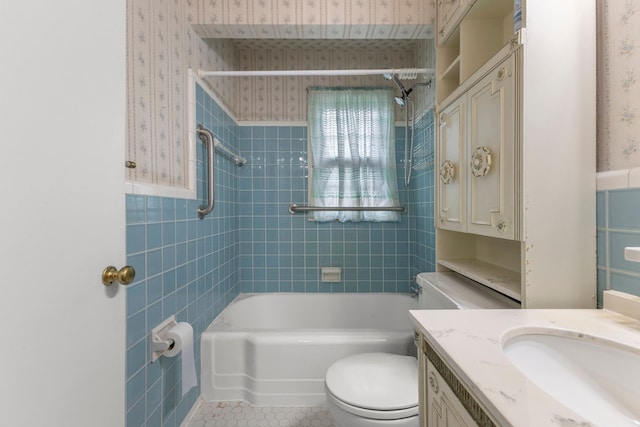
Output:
(352, 153)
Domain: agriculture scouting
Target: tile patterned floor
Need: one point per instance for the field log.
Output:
(241, 414)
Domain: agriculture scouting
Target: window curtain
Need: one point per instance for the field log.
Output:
(353, 153)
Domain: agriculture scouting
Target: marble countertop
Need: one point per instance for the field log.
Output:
(470, 342)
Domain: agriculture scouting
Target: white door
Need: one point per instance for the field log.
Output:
(62, 137)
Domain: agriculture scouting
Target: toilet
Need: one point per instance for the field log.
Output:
(381, 389)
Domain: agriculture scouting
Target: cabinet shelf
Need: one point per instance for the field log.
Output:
(475, 31)
(500, 279)
(453, 70)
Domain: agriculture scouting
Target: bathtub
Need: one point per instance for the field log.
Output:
(274, 349)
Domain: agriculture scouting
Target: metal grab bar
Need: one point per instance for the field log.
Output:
(294, 209)
(233, 156)
(207, 140)
(211, 144)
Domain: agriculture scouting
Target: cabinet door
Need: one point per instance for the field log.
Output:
(448, 13)
(491, 151)
(444, 409)
(451, 169)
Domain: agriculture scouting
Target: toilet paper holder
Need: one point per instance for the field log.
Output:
(159, 341)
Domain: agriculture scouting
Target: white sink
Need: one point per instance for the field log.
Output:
(596, 378)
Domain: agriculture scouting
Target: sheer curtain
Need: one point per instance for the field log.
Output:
(353, 152)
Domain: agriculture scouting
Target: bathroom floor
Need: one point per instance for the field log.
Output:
(238, 414)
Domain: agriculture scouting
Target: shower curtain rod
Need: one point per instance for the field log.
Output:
(402, 73)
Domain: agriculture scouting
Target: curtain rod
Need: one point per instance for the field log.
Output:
(402, 73)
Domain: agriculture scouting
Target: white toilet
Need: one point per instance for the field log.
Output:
(381, 389)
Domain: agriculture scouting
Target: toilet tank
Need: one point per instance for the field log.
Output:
(452, 291)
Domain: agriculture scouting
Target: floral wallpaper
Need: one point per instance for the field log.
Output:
(167, 37)
(161, 47)
(316, 19)
(284, 98)
(619, 84)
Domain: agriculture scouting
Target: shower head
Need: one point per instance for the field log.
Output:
(397, 80)
(400, 100)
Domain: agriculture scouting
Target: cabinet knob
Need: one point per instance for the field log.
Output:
(502, 226)
(433, 382)
(447, 172)
(502, 73)
(481, 161)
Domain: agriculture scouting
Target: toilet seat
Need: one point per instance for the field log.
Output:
(375, 385)
(373, 414)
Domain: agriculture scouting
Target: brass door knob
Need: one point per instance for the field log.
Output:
(125, 275)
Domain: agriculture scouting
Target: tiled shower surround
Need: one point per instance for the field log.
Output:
(281, 252)
(618, 227)
(193, 268)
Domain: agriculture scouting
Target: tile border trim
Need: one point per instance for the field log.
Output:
(618, 179)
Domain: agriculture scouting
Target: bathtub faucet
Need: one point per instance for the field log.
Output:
(414, 289)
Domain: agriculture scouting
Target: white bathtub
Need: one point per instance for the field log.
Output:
(274, 349)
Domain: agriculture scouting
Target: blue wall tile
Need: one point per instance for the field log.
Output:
(136, 210)
(602, 248)
(601, 209)
(193, 268)
(136, 297)
(172, 251)
(621, 230)
(136, 238)
(624, 206)
(618, 240)
(283, 178)
(136, 415)
(625, 283)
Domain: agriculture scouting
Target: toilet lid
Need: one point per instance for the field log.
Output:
(379, 381)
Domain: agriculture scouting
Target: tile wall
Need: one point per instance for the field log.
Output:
(193, 268)
(185, 267)
(281, 252)
(421, 198)
(618, 227)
